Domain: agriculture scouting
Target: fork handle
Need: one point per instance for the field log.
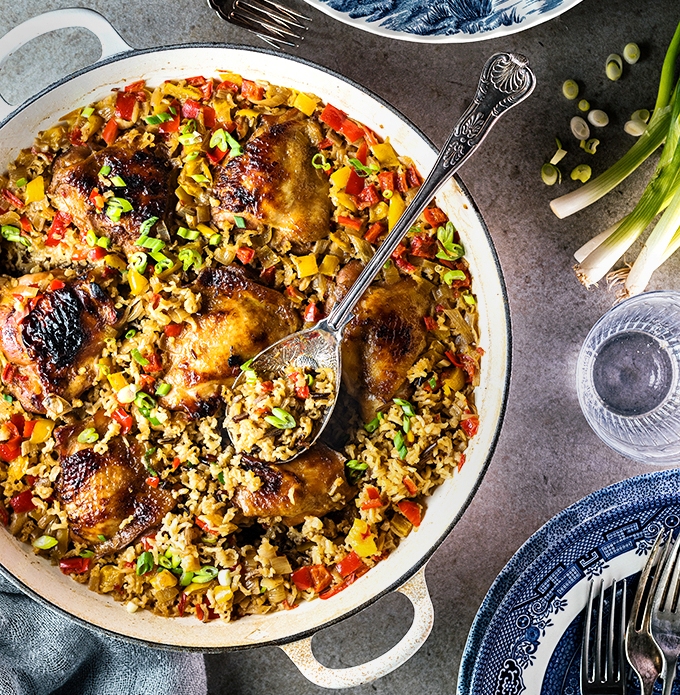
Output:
(669, 677)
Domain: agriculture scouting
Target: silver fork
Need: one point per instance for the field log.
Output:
(641, 649)
(666, 615)
(274, 23)
(609, 672)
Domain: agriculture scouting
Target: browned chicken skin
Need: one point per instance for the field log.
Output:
(52, 339)
(100, 491)
(297, 489)
(148, 189)
(274, 183)
(383, 340)
(238, 319)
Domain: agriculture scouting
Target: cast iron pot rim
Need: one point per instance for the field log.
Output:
(135, 52)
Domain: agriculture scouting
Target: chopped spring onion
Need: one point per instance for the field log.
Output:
(192, 155)
(86, 553)
(641, 115)
(560, 154)
(400, 445)
(131, 333)
(104, 242)
(200, 178)
(118, 182)
(190, 258)
(145, 401)
(138, 357)
(186, 578)
(116, 206)
(319, 162)
(219, 140)
(146, 226)
(579, 128)
(450, 250)
(87, 112)
(451, 276)
(239, 222)
(635, 127)
(614, 67)
(190, 234)
(162, 264)
(105, 170)
(235, 149)
(145, 563)
(373, 425)
(362, 169)
(163, 389)
(598, 118)
(590, 146)
(631, 53)
(193, 138)
(88, 436)
(355, 469)
(215, 240)
(570, 89)
(91, 238)
(205, 575)
(158, 118)
(249, 372)
(469, 299)
(581, 173)
(406, 407)
(8, 398)
(14, 234)
(45, 542)
(138, 261)
(584, 105)
(20, 183)
(281, 419)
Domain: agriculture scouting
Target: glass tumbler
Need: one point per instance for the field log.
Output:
(628, 378)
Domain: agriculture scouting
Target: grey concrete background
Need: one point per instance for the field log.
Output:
(547, 456)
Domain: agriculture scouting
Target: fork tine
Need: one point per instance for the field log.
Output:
(260, 11)
(609, 667)
(640, 622)
(586, 638)
(622, 632)
(275, 6)
(668, 561)
(598, 636)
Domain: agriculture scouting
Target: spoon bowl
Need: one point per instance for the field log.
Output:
(505, 81)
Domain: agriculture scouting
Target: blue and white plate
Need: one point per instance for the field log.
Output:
(526, 637)
(443, 21)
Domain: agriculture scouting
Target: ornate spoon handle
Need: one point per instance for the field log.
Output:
(505, 81)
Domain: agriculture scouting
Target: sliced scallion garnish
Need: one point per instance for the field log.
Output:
(20, 183)
(88, 436)
(14, 234)
(631, 53)
(281, 419)
(570, 89)
(319, 162)
(45, 542)
(450, 251)
(118, 182)
(87, 112)
(138, 357)
(363, 169)
(239, 222)
(145, 563)
(163, 389)
(190, 234)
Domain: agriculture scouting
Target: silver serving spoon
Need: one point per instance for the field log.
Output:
(506, 80)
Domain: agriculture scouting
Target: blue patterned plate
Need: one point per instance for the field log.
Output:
(443, 21)
(527, 634)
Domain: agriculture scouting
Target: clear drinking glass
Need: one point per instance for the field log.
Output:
(628, 378)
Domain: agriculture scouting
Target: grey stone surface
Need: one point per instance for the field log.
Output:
(547, 456)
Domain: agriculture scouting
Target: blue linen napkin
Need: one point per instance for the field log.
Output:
(43, 653)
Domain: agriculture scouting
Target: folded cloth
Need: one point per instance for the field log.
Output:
(44, 653)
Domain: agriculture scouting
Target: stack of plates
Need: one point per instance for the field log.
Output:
(526, 637)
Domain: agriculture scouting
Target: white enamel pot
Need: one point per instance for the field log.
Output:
(403, 570)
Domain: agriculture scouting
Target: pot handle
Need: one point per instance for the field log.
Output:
(109, 38)
(415, 589)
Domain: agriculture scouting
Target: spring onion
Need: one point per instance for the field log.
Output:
(115, 207)
(14, 234)
(590, 146)
(641, 115)
(205, 575)
(579, 128)
(631, 53)
(584, 105)
(131, 333)
(104, 242)
(7, 397)
(355, 470)
(550, 174)
(450, 250)
(190, 258)
(163, 389)
(20, 183)
(45, 542)
(598, 118)
(91, 238)
(249, 372)
(215, 240)
(407, 407)
(373, 425)
(88, 436)
(87, 112)
(190, 234)
(400, 445)
(319, 162)
(362, 170)
(138, 261)
(145, 228)
(105, 170)
(614, 67)
(451, 276)
(158, 118)
(560, 154)
(138, 357)
(239, 222)
(186, 578)
(570, 89)
(145, 563)
(281, 419)
(635, 127)
(118, 181)
(581, 173)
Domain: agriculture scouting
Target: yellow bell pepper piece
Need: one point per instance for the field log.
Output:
(231, 77)
(187, 92)
(340, 177)
(42, 431)
(329, 265)
(306, 265)
(35, 190)
(397, 207)
(385, 154)
(223, 594)
(361, 539)
(205, 230)
(138, 283)
(117, 381)
(163, 580)
(305, 104)
(116, 262)
(346, 201)
(17, 468)
(344, 245)
(248, 112)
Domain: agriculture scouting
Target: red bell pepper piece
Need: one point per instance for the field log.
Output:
(252, 91)
(148, 540)
(57, 284)
(215, 155)
(321, 578)
(461, 461)
(228, 87)
(423, 246)
(362, 152)
(176, 463)
(12, 199)
(430, 323)
(349, 564)
(171, 126)
(435, 217)
(352, 222)
(29, 426)
(410, 485)
(10, 449)
(302, 578)
(125, 105)
(245, 254)
(302, 392)
(332, 117)
(23, 502)
(182, 603)
(325, 144)
(375, 231)
(369, 196)
(470, 425)
(110, 132)
(152, 480)
(335, 590)
(155, 365)
(74, 565)
(97, 199)
(386, 180)
(135, 86)
(172, 330)
(411, 511)
(124, 419)
(268, 274)
(75, 137)
(313, 313)
(209, 117)
(25, 223)
(351, 130)
(373, 504)
(294, 293)
(191, 109)
(355, 184)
